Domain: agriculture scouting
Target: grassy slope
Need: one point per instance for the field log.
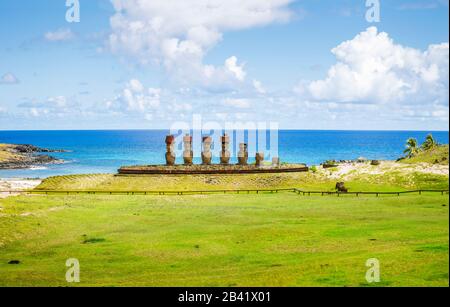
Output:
(309, 181)
(224, 240)
(5, 155)
(439, 154)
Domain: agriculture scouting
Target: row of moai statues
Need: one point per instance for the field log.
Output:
(225, 155)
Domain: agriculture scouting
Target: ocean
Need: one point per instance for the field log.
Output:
(106, 151)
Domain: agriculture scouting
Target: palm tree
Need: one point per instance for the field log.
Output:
(411, 147)
(429, 143)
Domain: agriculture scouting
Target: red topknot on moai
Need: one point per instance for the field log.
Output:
(225, 153)
(206, 153)
(188, 154)
(170, 152)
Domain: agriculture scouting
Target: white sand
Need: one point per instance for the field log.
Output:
(346, 171)
(17, 185)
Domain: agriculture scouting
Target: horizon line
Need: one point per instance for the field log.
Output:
(166, 129)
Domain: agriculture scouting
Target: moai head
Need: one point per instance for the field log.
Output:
(225, 141)
(206, 153)
(225, 154)
(170, 154)
(188, 154)
(187, 141)
(207, 141)
(242, 154)
(170, 140)
(259, 158)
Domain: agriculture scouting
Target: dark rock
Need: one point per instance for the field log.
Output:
(26, 148)
(340, 187)
(27, 157)
(44, 159)
(14, 262)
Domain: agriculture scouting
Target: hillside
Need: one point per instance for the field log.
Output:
(437, 155)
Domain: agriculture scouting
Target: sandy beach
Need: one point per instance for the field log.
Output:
(17, 185)
(347, 171)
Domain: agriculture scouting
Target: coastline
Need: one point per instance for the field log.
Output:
(17, 184)
(18, 156)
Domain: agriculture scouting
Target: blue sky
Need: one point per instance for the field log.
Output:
(140, 65)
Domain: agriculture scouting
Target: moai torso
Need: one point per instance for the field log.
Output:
(188, 154)
(206, 153)
(225, 154)
(259, 158)
(170, 153)
(243, 154)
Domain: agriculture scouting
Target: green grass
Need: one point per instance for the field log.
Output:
(6, 155)
(306, 181)
(227, 240)
(224, 240)
(437, 155)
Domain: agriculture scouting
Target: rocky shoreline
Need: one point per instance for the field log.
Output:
(19, 156)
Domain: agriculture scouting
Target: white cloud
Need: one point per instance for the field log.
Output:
(259, 87)
(9, 78)
(135, 98)
(34, 112)
(232, 66)
(59, 35)
(240, 103)
(177, 34)
(371, 68)
(55, 106)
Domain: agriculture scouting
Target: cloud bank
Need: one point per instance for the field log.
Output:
(372, 69)
(177, 34)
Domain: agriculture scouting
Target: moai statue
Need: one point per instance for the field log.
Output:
(225, 154)
(259, 158)
(206, 153)
(243, 154)
(188, 154)
(170, 152)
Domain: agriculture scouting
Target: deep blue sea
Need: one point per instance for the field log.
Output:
(106, 151)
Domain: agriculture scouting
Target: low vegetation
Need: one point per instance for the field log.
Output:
(364, 177)
(430, 151)
(224, 240)
(268, 239)
(6, 154)
(436, 155)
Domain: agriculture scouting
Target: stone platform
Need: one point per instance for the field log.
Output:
(210, 169)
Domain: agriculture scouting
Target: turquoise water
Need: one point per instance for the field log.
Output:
(106, 151)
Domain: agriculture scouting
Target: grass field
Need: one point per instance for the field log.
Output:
(392, 181)
(229, 240)
(224, 240)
